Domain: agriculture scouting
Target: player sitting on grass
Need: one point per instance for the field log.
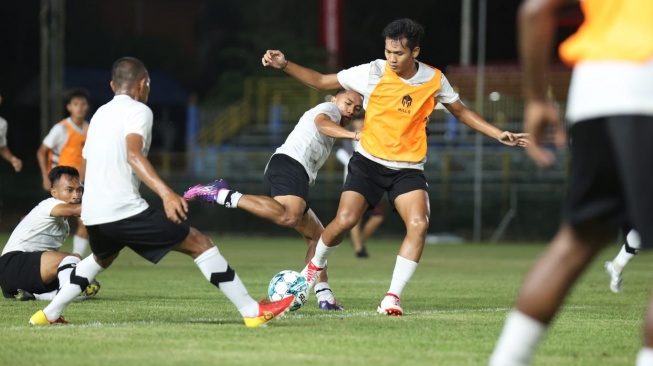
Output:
(31, 266)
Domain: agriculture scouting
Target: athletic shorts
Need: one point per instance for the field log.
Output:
(149, 233)
(372, 180)
(285, 176)
(611, 173)
(22, 270)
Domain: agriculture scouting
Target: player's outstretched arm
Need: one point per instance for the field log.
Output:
(42, 159)
(276, 59)
(175, 206)
(478, 123)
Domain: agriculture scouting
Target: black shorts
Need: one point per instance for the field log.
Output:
(372, 180)
(22, 270)
(149, 233)
(285, 176)
(611, 173)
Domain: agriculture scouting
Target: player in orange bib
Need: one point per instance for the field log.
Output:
(610, 112)
(400, 92)
(63, 146)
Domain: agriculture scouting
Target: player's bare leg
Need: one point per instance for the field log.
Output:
(545, 288)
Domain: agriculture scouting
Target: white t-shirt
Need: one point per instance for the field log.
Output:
(3, 132)
(306, 144)
(39, 231)
(110, 185)
(609, 88)
(364, 78)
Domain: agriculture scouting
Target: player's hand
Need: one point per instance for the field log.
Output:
(175, 207)
(16, 163)
(543, 124)
(274, 58)
(513, 139)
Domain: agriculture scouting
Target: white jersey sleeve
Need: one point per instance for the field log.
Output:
(356, 78)
(446, 94)
(3, 132)
(140, 122)
(56, 138)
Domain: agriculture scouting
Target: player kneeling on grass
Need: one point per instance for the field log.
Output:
(116, 216)
(31, 267)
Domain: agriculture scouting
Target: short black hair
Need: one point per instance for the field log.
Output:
(127, 70)
(76, 93)
(404, 28)
(58, 171)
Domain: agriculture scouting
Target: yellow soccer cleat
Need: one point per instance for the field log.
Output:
(269, 310)
(39, 318)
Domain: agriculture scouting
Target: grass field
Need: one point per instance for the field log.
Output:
(455, 305)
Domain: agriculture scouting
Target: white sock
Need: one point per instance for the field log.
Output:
(323, 292)
(228, 198)
(87, 268)
(622, 259)
(65, 267)
(404, 269)
(322, 252)
(645, 357)
(518, 340)
(46, 296)
(80, 245)
(216, 270)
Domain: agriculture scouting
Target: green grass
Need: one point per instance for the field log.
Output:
(455, 306)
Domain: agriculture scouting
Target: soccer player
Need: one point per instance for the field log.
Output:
(31, 265)
(399, 93)
(6, 154)
(628, 251)
(63, 146)
(116, 216)
(292, 169)
(373, 218)
(610, 171)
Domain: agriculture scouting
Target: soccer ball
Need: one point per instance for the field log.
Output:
(287, 283)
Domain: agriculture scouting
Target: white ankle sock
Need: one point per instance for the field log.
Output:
(87, 268)
(323, 292)
(222, 196)
(645, 357)
(404, 269)
(211, 263)
(518, 340)
(322, 252)
(80, 245)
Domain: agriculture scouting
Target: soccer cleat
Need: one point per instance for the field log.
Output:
(615, 277)
(325, 305)
(362, 253)
(391, 305)
(39, 318)
(311, 272)
(206, 192)
(91, 290)
(23, 295)
(268, 310)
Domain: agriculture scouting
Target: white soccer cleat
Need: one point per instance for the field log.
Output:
(391, 306)
(615, 277)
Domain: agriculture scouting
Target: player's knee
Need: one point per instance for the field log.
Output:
(346, 220)
(418, 224)
(198, 242)
(289, 220)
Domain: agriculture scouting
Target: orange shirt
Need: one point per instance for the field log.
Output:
(71, 152)
(395, 117)
(612, 30)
